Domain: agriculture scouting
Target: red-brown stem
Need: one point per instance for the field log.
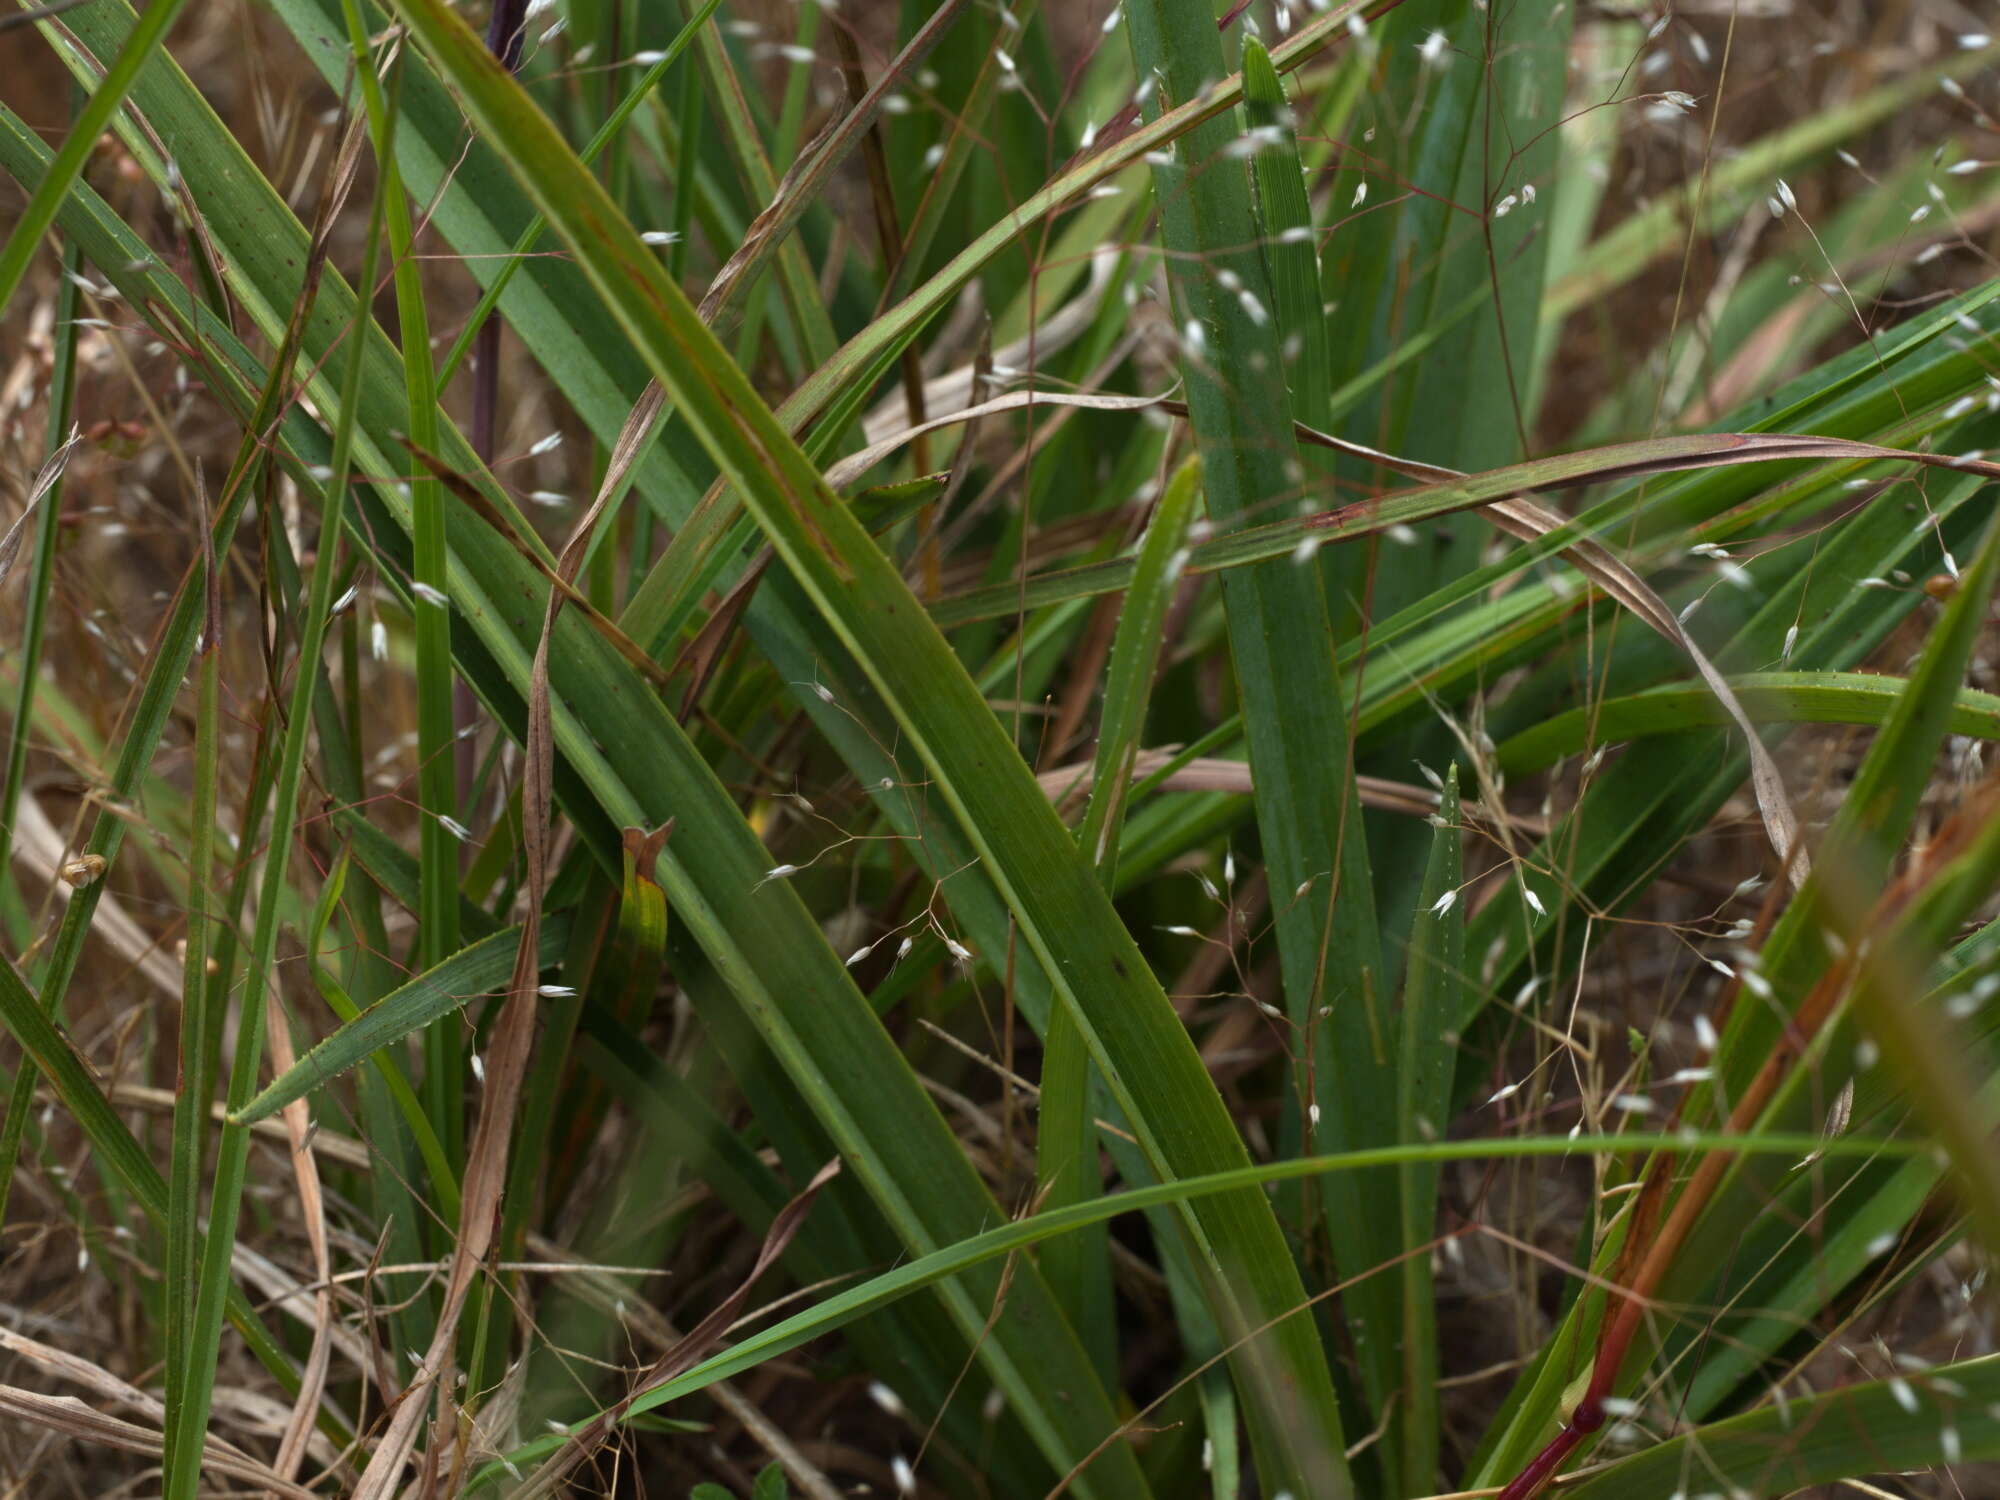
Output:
(1615, 1342)
(1542, 1467)
(1623, 1324)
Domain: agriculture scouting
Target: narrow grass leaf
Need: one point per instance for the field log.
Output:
(1861, 698)
(31, 228)
(1065, 917)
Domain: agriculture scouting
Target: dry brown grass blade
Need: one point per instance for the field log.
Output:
(75, 1418)
(688, 1352)
(1211, 774)
(513, 1038)
(701, 655)
(562, 582)
(851, 468)
(808, 176)
(44, 481)
(1523, 518)
(297, 1117)
(1680, 454)
(94, 1378)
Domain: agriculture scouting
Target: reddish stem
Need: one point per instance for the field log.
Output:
(1542, 1467)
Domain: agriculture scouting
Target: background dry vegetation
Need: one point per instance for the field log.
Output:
(650, 1158)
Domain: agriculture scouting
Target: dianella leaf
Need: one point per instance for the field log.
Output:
(1289, 239)
(1147, 1060)
(1281, 640)
(1066, 1141)
(846, 1074)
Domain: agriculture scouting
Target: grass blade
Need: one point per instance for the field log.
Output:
(1066, 1146)
(1768, 697)
(35, 610)
(189, 1384)
(1065, 917)
(90, 123)
(1295, 709)
(437, 738)
(474, 971)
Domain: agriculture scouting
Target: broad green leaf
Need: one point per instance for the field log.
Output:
(1285, 217)
(1769, 697)
(1850, 1433)
(633, 765)
(1281, 643)
(1066, 1144)
(472, 973)
(1065, 917)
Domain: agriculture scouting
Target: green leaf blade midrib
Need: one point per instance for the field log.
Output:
(1066, 917)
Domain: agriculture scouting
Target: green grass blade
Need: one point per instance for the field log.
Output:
(90, 123)
(437, 739)
(966, 139)
(900, 1282)
(845, 1307)
(1135, 659)
(188, 1384)
(1462, 119)
(475, 971)
(1919, 1042)
(1768, 697)
(1065, 917)
(1295, 710)
(389, 1079)
(1066, 1140)
(807, 178)
(35, 608)
(1288, 238)
(795, 278)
